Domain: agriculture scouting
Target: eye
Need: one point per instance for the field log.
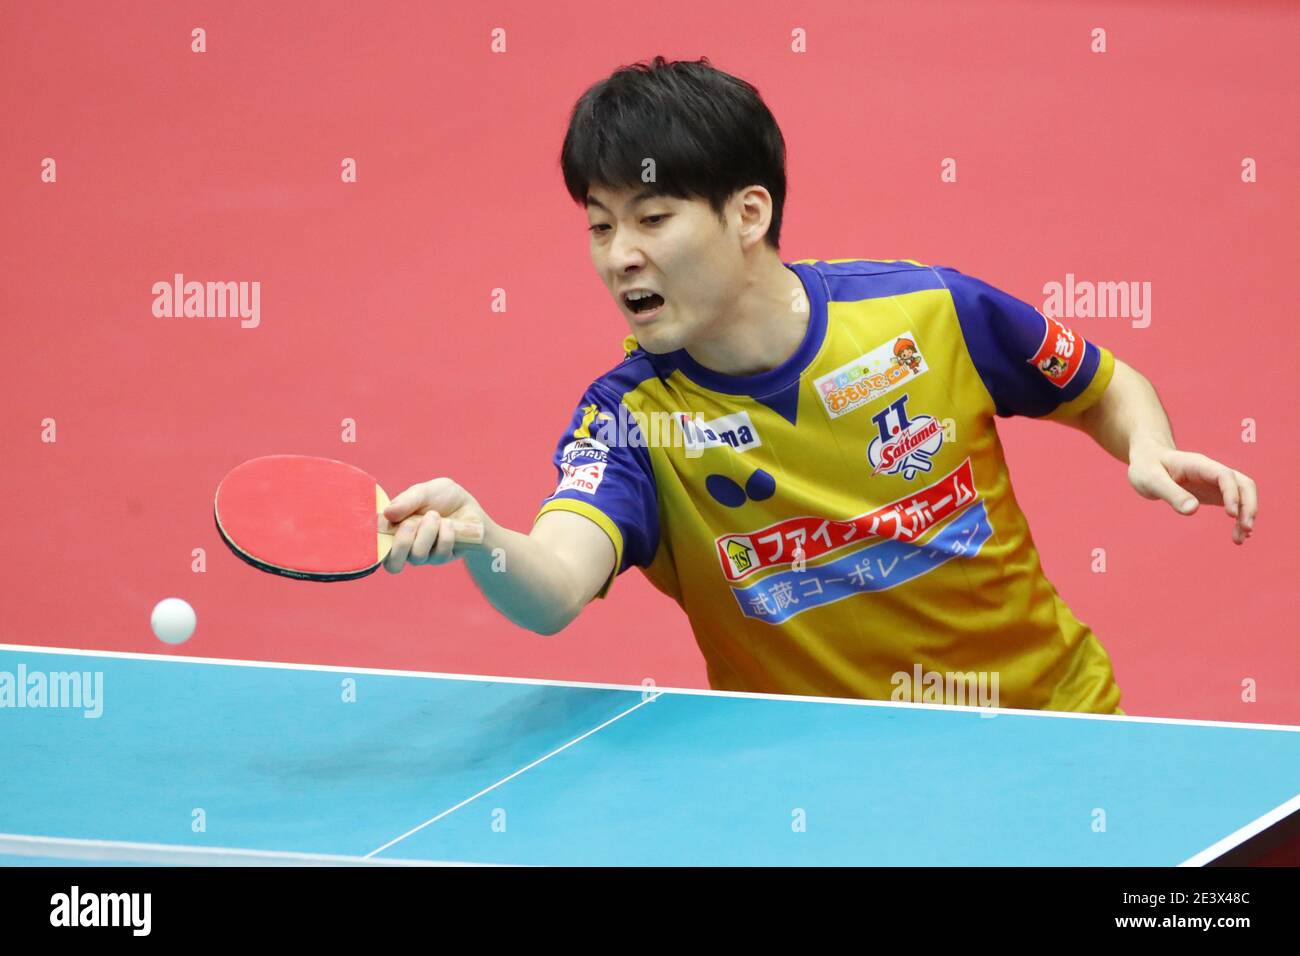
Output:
(600, 228)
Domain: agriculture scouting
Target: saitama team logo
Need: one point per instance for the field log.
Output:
(905, 445)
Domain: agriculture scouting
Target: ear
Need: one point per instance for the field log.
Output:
(754, 204)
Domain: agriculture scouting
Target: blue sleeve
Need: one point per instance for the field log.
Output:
(1030, 364)
(603, 472)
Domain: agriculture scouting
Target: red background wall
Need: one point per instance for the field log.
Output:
(225, 165)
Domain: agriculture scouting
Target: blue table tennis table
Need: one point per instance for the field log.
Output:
(195, 761)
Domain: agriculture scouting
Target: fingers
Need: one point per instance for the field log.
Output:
(1249, 500)
(426, 535)
(422, 539)
(402, 541)
(1235, 491)
(1240, 499)
(1210, 482)
(443, 550)
(1228, 489)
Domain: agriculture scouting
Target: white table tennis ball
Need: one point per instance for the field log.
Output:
(173, 620)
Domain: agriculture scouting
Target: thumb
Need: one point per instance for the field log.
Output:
(1155, 482)
(411, 501)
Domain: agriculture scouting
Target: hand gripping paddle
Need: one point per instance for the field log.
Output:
(315, 519)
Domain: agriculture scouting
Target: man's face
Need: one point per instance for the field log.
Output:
(675, 248)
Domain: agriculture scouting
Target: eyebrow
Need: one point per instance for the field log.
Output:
(642, 196)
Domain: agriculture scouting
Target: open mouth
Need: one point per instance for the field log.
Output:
(643, 303)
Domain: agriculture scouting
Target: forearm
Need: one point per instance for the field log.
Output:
(1128, 414)
(521, 578)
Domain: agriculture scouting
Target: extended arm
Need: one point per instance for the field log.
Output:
(540, 581)
(1130, 423)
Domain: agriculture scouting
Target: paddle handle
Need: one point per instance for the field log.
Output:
(469, 532)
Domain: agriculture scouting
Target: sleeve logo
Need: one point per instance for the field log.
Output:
(1060, 356)
(584, 450)
(585, 477)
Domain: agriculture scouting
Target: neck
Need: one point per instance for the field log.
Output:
(764, 326)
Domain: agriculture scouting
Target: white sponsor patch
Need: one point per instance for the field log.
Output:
(586, 449)
(872, 375)
(734, 430)
(584, 477)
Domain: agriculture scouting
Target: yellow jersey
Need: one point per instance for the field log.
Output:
(844, 524)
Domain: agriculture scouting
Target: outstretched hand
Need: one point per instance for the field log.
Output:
(1186, 480)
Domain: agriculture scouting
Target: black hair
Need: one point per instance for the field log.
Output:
(709, 133)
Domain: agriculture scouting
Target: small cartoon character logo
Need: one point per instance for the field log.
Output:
(1061, 353)
(1053, 366)
(904, 445)
(888, 366)
(906, 354)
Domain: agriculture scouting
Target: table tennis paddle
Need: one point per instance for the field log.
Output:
(315, 519)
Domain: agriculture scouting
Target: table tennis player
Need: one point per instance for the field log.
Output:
(834, 508)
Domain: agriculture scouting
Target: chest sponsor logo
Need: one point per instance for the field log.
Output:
(733, 431)
(904, 444)
(810, 537)
(870, 376)
(777, 597)
(1060, 356)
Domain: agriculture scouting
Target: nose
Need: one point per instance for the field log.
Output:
(625, 255)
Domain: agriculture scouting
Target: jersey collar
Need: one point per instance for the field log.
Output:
(784, 375)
